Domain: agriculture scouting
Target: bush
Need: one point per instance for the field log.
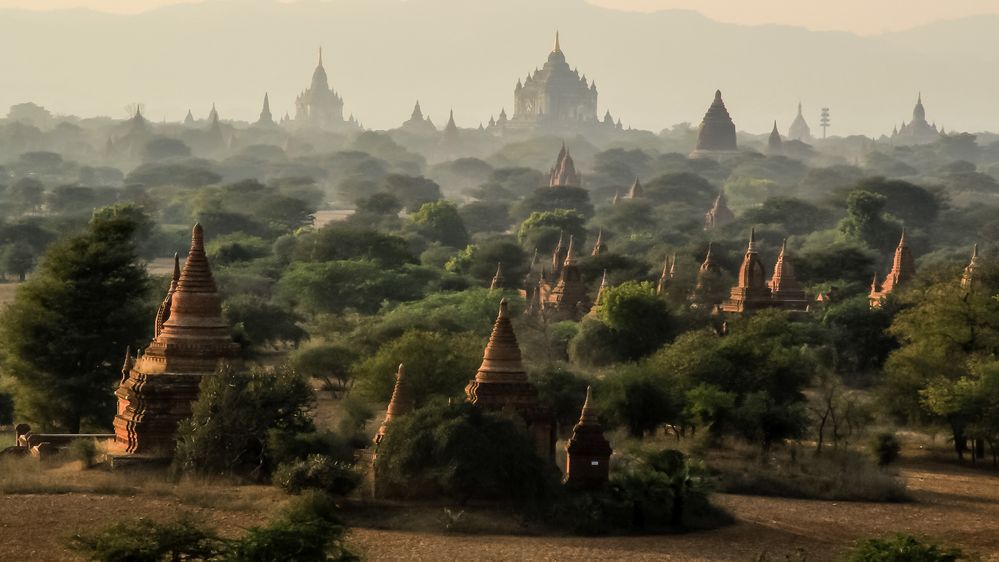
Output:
(460, 451)
(835, 475)
(149, 541)
(654, 491)
(886, 448)
(307, 530)
(902, 548)
(83, 450)
(316, 472)
(229, 426)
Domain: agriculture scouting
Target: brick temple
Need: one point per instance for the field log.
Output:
(190, 341)
(501, 385)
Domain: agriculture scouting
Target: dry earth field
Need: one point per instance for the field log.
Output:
(956, 505)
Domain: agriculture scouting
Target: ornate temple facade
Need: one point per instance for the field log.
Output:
(555, 98)
(716, 135)
(501, 385)
(587, 453)
(564, 173)
(190, 341)
(753, 292)
(903, 269)
(799, 129)
(320, 106)
(918, 130)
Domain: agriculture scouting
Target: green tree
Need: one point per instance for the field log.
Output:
(866, 221)
(547, 199)
(541, 230)
(63, 337)
(412, 191)
(235, 413)
(17, 259)
(440, 222)
(641, 319)
(260, 322)
(436, 365)
(943, 331)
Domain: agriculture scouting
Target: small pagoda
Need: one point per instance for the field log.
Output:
(903, 269)
(501, 385)
(190, 340)
(400, 404)
(785, 290)
(587, 454)
(719, 215)
(564, 173)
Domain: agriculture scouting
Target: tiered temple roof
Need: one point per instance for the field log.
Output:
(564, 173)
(555, 97)
(501, 385)
(785, 289)
(191, 341)
(751, 291)
(588, 452)
(903, 269)
(320, 105)
(918, 131)
(716, 135)
(568, 298)
(266, 119)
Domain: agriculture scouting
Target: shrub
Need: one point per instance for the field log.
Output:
(308, 530)
(886, 448)
(83, 450)
(149, 541)
(318, 472)
(228, 428)
(460, 451)
(902, 548)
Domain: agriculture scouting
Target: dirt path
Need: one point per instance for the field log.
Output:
(955, 505)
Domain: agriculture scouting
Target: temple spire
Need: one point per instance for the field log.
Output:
(497, 281)
(558, 46)
(400, 404)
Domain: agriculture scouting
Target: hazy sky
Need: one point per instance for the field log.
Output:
(859, 16)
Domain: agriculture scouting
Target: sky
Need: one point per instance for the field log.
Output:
(864, 17)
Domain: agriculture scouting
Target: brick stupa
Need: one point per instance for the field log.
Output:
(587, 454)
(400, 404)
(501, 385)
(568, 299)
(191, 340)
(785, 289)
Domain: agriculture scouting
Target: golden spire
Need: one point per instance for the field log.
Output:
(558, 47)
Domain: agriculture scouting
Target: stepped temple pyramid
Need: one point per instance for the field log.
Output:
(190, 341)
(716, 135)
(917, 131)
(320, 106)
(555, 98)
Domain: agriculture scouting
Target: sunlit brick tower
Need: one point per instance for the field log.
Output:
(587, 454)
(636, 191)
(501, 385)
(708, 270)
(598, 303)
(400, 404)
(667, 275)
(568, 299)
(191, 340)
(903, 269)
(785, 290)
(498, 279)
(599, 247)
(751, 291)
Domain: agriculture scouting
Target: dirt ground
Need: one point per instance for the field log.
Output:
(957, 506)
